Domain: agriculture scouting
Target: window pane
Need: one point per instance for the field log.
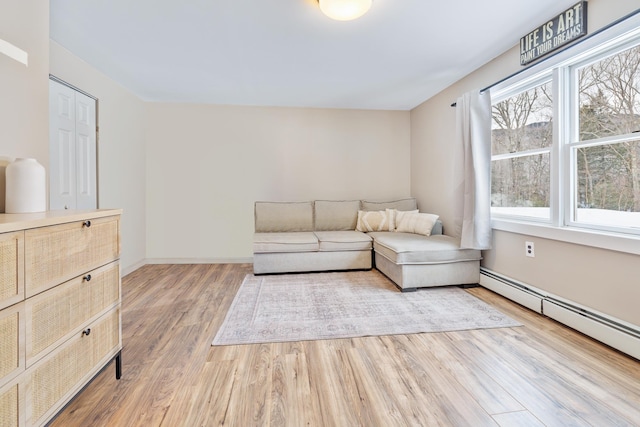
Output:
(523, 122)
(521, 185)
(608, 183)
(609, 96)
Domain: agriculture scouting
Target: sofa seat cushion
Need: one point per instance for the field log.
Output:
(302, 241)
(408, 248)
(343, 241)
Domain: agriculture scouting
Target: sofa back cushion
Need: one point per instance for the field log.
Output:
(416, 223)
(336, 215)
(283, 216)
(409, 204)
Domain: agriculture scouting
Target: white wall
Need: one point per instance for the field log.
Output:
(121, 148)
(187, 175)
(24, 90)
(207, 165)
(24, 116)
(600, 279)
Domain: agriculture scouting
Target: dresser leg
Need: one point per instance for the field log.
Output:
(118, 365)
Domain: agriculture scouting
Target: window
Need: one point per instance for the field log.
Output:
(606, 149)
(566, 141)
(521, 139)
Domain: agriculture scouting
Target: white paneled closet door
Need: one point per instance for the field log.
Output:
(72, 149)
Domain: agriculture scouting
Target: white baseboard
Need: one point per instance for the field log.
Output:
(624, 340)
(609, 330)
(131, 268)
(199, 260)
(513, 290)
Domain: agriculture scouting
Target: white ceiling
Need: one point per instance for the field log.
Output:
(287, 53)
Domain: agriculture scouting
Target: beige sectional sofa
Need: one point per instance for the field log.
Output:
(323, 235)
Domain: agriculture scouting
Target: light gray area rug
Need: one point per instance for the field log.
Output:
(315, 306)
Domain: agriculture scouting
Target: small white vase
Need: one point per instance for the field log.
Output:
(25, 187)
(4, 162)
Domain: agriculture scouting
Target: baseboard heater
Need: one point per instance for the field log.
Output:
(616, 333)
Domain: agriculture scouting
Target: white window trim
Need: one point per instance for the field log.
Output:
(627, 243)
(555, 230)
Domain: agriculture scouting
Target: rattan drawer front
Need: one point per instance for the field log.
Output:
(60, 252)
(9, 406)
(11, 342)
(12, 404)
(56, 378)
(11, 268)
(56, 313)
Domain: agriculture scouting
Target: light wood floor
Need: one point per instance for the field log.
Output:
(542, 374)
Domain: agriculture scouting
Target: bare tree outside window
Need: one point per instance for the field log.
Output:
(522, 134)
(608, 171)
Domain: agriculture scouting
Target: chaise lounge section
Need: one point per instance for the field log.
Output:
(413, 261)
(327, 235)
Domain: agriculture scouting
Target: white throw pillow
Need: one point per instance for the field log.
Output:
(417, 223)
(375, 221)
(398, 215)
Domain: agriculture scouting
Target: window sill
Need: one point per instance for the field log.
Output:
(597, 239)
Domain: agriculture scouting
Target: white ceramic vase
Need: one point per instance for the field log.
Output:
(25, 187)
(4, 162)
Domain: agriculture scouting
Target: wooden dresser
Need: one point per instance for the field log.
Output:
(60, 300)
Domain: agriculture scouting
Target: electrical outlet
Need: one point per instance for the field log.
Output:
(530, 249)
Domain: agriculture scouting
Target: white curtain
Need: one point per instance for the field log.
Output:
(473, 169)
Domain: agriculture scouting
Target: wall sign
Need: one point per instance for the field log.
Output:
(564, 28)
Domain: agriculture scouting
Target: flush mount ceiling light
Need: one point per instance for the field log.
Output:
(344, 10)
